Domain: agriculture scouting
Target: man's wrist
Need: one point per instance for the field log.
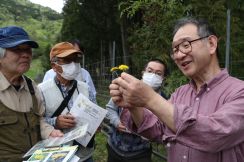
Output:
(152, 100)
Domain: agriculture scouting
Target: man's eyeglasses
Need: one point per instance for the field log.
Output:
(66, 60)
(184, 47)
(149, 70)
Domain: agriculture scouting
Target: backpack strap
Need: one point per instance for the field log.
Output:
(29, 84)
(65, 102)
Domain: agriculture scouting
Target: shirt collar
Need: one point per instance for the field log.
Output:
(4, 83)
(213, 82)
(218, 79)
(66, 88)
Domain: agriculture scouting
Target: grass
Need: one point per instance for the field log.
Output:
(100, 154)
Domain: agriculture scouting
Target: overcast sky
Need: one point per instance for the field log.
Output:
(56, 5)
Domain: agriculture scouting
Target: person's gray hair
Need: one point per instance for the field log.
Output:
(203, 27)
(2, 52)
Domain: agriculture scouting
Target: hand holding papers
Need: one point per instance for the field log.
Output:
(86, 112)
(58, 141)
(88, 117)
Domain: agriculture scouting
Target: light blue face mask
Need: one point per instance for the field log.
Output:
(153, 80)
(70, 71)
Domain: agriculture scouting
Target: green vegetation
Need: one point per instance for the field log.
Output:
(35, 69)
(142, 29)
(42, 24)
(100, 154)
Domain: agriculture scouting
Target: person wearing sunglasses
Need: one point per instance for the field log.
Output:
(203, 120)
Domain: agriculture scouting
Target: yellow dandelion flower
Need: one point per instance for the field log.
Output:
(123, 67)
(114, 69)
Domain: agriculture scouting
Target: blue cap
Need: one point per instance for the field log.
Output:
(12, 36)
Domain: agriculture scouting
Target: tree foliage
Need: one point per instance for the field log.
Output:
(93, 22)
(146, 27)
(41, 23)
(151, 36)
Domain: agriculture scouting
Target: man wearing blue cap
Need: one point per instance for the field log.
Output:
(21, 109)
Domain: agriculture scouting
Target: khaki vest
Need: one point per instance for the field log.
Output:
(19, 131)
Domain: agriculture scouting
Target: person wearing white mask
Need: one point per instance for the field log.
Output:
(154, 73)
(83, 74)
(123, 145)
(60, 92)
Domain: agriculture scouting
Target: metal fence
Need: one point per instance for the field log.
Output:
(236, 69)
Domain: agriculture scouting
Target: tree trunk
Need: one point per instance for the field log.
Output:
(124, 40)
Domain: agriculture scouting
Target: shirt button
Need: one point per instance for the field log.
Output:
(184, 157)
(208, 89)
(168, 145)
(197, 98)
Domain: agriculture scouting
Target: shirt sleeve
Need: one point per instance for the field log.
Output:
(51, 121)
(151, 127)
(91, 84)
(92, 98)
(50, 74)
(113, 113)
(45, 127)
(217, 131)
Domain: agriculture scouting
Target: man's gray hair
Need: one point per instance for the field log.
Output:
(203, 27)
(2, 52)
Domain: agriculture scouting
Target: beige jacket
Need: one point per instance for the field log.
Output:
(21, 101)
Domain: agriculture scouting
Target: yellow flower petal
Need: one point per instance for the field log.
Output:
(114, 69)
(123, 67)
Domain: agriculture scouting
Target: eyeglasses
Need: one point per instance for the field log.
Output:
(157, 72)
(184, 47)
(67, 60)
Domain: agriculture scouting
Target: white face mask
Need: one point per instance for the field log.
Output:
(153, 80)
(70, 71)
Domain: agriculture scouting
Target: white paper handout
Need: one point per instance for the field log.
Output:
(86, 112)
(58, 141)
